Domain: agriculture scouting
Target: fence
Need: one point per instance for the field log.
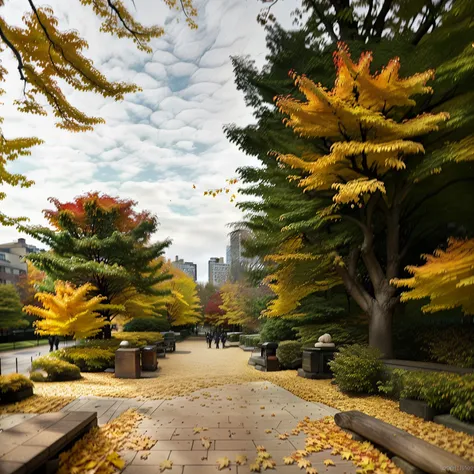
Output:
(18, 365)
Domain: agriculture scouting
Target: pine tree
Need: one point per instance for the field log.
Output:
(282, 213)
(10, 307)
(68, 312)
(101, 240)
(46, 57)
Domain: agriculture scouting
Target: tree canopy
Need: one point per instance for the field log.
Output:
(102, 240)
(10, 307)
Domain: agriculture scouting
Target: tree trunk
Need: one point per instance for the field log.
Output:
(380, 328)
(107, 331)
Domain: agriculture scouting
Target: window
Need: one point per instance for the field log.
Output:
(8, 270)
(2, 256)
(16, 271)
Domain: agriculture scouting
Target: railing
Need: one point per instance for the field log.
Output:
(18, 365)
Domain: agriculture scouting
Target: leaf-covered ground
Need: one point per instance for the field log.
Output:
(193, 367)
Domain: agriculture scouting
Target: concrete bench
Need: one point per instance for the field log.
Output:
(26, 447)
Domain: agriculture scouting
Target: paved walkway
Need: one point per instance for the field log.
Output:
(237, 418)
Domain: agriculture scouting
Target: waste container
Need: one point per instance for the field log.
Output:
(149, 359)
(127, 363)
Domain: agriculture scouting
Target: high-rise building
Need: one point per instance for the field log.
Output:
(189, 268)
(228, 256)
(12, 263)
(218, 271)
(237, 260)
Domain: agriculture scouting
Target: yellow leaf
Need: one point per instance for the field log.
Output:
(264, 455)
(197, 429)
(329, 462)
(261, 448)
(268, 464)
(283, 436)
(166, 465)
(206, 443)
(346, 455)
(268, 431)
(311, 470)
(289, 460)
(116, 460)
(222, 463)
(241, 459)
(255, 467)
(262, 407)
(303, 463)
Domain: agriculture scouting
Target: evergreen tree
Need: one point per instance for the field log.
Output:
(10, 307)
(282, 215)
(101, 240)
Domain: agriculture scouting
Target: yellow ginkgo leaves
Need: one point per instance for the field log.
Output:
(240, 459)
(223, 463)
(168, 464)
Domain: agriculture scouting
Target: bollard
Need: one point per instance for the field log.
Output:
(16, 364)
(0, 366)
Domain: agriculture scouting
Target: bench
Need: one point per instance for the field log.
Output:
(28, 446)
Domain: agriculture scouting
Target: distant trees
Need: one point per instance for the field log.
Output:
(10, 308)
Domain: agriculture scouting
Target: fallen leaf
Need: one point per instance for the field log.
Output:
(329, 462)
(311, 470)
(197, 429)
(261, 448)
(144, 456)
(289, 460)
(255, 467)
(206, 443)
(116, 460)
(303, 463)
(268, 431)
(222, 463)
(241, 459)
(346, 455)
(283, 436)
(268, 464)
(166, 465)
(262, 407)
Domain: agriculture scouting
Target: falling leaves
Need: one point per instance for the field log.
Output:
(168, 464)
(223, 463)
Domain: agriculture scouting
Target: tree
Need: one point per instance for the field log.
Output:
(102, 240)
(281, 213)
(182, 305)
(205, 293)
(29, 283)
(212, 309)
(68, 312)
(447, 278)
(10, 307)
(47, 57)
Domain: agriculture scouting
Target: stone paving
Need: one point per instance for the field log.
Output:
(237, 418)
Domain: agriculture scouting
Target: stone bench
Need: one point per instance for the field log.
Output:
(26, 447)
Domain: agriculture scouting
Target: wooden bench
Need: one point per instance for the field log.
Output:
(28, 446)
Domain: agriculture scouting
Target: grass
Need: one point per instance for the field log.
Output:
(11, 346)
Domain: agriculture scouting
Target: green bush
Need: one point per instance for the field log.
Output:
(88, 359)
(391, 383)
(249, 340)
(138, 339)
(277, 329)
(444, 391)
(151, 324)
(357, 368)
(13, 383)
(107, 344)
(340, 334)
(288, 352)
(56, 370)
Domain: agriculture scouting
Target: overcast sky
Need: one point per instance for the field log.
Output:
(158, 143)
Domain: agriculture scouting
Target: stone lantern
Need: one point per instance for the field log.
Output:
(316, 360)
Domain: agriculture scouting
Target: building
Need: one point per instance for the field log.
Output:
(238, 262)
(12, 263)
(228, 256)
(189, 268)
(218, 271)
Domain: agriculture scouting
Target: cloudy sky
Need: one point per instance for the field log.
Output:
(158, 143)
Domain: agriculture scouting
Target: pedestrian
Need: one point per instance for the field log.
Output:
(51, 343)
(217, 339)
(223, 339)
(56, 342)
(209, 339)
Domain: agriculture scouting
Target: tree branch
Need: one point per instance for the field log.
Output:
(380, 21)
(117, 12)
(367, 26)
(429, 22)
(327, 24)
(17, 54)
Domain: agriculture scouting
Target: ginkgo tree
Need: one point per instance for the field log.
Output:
(446, 279)
(70, 311)
(371, 157)
(46, 57)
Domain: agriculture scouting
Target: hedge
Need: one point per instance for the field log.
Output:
(151, 324)
(88, 359)
(51, 369)
(138, 339)
(13, 383)
(277, 329)
(234, 337)
(288, 352)
(447, 392)
(249, 340)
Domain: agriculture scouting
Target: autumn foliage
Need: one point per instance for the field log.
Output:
(68, 312)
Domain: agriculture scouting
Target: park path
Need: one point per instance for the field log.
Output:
(19, 360)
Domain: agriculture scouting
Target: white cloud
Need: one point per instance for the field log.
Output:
(158, 142)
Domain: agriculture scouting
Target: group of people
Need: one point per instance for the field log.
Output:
(217, 338)
(53, 342)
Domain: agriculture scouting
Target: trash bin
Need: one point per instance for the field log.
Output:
(127, 363)
(149, 359)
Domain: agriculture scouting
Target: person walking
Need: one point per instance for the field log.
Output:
(56, 342)
(51, 343)
(217, 339)
(223, 339)
(209, 339)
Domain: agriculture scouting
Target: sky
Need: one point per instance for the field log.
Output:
(158, 143)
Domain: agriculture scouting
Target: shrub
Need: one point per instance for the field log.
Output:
(88, 359)
(441, 390)
(249, 340)
(392, 383)
(138, 339)
(357, 368)
(288, 352)
(13, 383)
(108, 344)
(340, 334)
(151, 324)
(234, 337)
(56, 370)
(277, 329)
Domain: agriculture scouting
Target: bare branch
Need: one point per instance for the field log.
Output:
(380, 21)
(17, 54)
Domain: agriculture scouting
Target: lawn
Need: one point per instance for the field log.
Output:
(11, 346)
